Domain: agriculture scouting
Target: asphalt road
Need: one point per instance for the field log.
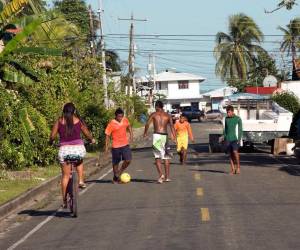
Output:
(202, 208)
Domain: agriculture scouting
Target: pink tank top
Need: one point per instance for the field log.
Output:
(73, 139)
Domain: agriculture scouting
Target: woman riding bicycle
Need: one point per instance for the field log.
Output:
(69, 127)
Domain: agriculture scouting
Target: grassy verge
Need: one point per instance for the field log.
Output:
(137, 124)
(13, 183)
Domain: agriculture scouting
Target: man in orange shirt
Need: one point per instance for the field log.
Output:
(183, 131)
(117, 129)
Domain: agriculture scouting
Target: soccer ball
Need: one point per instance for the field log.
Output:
(125, 178)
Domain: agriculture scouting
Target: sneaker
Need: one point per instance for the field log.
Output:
(168, 180)
(161, 179)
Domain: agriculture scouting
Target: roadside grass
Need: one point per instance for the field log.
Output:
(94, 154)
(14, 183)
(137, 124)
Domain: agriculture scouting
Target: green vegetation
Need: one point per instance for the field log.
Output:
(290, 43)
(13, 184)
(288, 101)
(46, 64)
(237, 51)
(76, 12)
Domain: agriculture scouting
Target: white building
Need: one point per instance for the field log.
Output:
(176, 89)
(291, 86)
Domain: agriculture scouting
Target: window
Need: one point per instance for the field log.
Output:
(158, 85)
(183, 84)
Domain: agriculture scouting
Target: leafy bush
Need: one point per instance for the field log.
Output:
(287, 100)
(29, 111)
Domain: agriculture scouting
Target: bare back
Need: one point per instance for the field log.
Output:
(160, 122)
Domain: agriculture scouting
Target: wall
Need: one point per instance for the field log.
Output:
(192, 92)
(293, 86)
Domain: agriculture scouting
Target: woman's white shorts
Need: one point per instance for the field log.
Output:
(71, 150)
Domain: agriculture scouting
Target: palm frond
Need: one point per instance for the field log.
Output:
(16, 77)
(11, 9)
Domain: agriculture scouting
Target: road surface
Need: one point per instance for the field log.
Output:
(202, 208)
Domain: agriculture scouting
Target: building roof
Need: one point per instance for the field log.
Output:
(246, 96)
(168, 76)
(260, 90)
(221, 92)
(177, 76)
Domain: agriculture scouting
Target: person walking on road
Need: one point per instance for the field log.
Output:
(117, 130)
(233, 132)
(69, 128)
(161, 120)
(183, 132)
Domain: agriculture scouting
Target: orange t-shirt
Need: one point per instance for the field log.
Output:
(118, 131)
(183, 128)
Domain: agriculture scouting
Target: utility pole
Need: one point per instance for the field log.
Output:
(131, 57)
(152, 74)
(103, 59)
(92, 32)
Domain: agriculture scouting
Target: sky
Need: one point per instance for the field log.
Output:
(190, 17)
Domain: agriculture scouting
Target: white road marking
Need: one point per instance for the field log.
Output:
(50, 217)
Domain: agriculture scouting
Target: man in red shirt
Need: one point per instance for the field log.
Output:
(117, 130)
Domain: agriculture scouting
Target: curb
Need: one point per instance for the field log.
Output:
(8, 208)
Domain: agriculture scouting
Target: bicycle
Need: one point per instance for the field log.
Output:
(73, 184)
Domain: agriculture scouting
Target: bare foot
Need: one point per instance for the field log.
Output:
(238, 171)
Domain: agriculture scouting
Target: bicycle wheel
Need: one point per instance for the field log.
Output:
(74, 209)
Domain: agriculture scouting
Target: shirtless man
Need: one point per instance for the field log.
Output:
(161, 120)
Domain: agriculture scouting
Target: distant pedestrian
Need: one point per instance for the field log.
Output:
(117, 130)
(161, 120)
(183, 132)
(233, 132)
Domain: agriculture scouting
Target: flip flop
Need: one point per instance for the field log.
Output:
(82, 185)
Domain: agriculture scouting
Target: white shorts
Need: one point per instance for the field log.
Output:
(161, 149)
(71, 150)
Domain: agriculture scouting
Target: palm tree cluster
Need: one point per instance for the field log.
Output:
(239, 51)
(236, 51)
(291, 38)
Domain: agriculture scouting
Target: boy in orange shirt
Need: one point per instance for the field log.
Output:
(183, 131)
(117, 129)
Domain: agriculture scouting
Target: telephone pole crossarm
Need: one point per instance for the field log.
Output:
(131, 57)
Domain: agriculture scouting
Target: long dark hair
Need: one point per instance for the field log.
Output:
(69, 111)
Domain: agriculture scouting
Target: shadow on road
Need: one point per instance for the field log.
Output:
(36, 213)
(134, 180)
(291, 170)
(209, 171)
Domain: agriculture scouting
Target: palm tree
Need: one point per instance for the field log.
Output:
(291, 37)
(236, 51)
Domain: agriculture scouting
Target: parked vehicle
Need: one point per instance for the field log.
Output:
(192, 113)
(214, 114)
(175, 113)
(263, 120)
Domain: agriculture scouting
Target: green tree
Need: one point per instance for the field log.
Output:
(288, 4)
(112, 60)
(291, 35)
(264, 65)
(75, 11)
(236, 51)
(287, 100)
